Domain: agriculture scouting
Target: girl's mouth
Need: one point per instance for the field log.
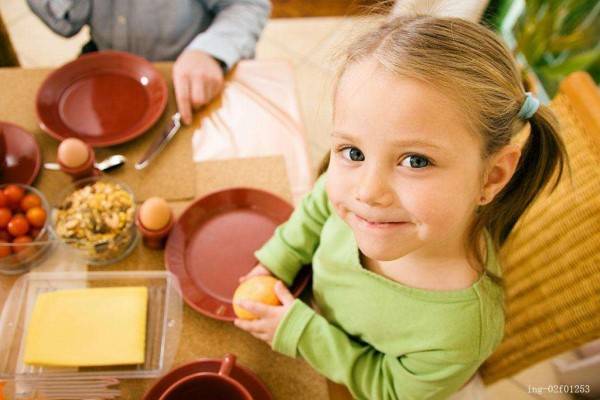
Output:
(379, 224)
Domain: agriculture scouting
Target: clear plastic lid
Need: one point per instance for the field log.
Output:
(163, 323)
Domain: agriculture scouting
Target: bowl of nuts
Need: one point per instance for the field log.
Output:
(25, 233)
(97, 217)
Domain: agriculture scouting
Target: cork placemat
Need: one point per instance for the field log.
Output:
(267, 173)
(203, 337)
(169, 175)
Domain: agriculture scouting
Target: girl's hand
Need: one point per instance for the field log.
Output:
(256, 271)
(269, 317)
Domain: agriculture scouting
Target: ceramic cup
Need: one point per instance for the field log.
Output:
(83, 171)
(208, 385)
(154, 239)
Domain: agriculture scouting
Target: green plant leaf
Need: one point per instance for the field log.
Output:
(578, 62)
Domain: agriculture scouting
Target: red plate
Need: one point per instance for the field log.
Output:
(243, 375)
(102, 98)
(212, 245)
(20, 156)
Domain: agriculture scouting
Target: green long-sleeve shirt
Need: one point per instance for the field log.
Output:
(380, 338)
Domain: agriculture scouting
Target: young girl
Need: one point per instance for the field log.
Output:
(424, 184)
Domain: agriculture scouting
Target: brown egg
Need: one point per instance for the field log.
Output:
(73, 152)
(155, 213)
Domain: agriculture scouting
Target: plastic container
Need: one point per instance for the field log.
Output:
(35, 252)
(101, 251)
(163, 324)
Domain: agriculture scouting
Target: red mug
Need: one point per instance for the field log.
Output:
(208, 385)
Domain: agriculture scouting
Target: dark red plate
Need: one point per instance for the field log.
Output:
(103, 98)
(243, 375)
(212, 245)
(20, 156)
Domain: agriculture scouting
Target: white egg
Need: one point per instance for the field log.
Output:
(73, 152)
(155, 213)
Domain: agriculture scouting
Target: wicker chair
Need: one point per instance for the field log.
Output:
(551, 261)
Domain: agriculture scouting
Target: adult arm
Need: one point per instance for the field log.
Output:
(64, 17)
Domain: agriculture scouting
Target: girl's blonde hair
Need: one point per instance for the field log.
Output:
(470, 63)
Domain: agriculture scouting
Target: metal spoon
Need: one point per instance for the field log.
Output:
(110, 163)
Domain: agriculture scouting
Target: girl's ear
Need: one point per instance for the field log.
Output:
(499, 171)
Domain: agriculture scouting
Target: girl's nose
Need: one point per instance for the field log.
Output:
(374, 190)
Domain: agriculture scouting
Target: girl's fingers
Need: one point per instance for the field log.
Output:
(283, 293)
(256, 271)
(252, 326)
(258, 309)
(262, 336)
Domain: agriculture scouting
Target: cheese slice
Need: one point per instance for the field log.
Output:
(88, 327)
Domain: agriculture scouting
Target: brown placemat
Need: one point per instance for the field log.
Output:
(170, 175)
(267, 173)
(203, 337)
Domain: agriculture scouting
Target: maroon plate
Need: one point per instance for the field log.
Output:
(243, 375)
(212, 245)
(21, 158)
(102, 98)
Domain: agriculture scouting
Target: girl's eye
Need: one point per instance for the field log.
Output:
(353, 154)
(416, 162)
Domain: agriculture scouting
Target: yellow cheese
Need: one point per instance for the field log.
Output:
(88, 327)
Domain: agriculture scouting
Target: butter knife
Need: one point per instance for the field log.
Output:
(160, 142)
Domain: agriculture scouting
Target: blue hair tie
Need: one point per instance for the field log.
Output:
(529, 107)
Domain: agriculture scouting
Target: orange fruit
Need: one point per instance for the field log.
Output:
(260, 289)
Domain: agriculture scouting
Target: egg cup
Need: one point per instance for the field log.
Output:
(154, 239)
(85, 170)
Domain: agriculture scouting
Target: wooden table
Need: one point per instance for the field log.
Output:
(201, 336)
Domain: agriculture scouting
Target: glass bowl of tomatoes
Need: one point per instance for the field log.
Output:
(25, 229)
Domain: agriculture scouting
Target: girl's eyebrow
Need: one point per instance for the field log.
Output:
(416, 142)
(399, 143)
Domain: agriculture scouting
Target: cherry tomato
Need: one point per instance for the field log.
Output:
(19, 240)
(14, 194)
(5, 216)
(34, 232)
(36, 216)
(5, 250)
(29, 201)
(3, 199)
(5, 236)
(18, 225)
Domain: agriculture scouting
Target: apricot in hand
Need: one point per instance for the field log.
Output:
(259, 289)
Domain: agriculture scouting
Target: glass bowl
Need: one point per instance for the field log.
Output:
(30, 254)
(96, 216)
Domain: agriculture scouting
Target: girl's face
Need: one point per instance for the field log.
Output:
(405, 171)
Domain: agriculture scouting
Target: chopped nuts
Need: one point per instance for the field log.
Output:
(97, 218)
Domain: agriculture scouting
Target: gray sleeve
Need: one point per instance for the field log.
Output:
(234, 31)
(65, 17)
